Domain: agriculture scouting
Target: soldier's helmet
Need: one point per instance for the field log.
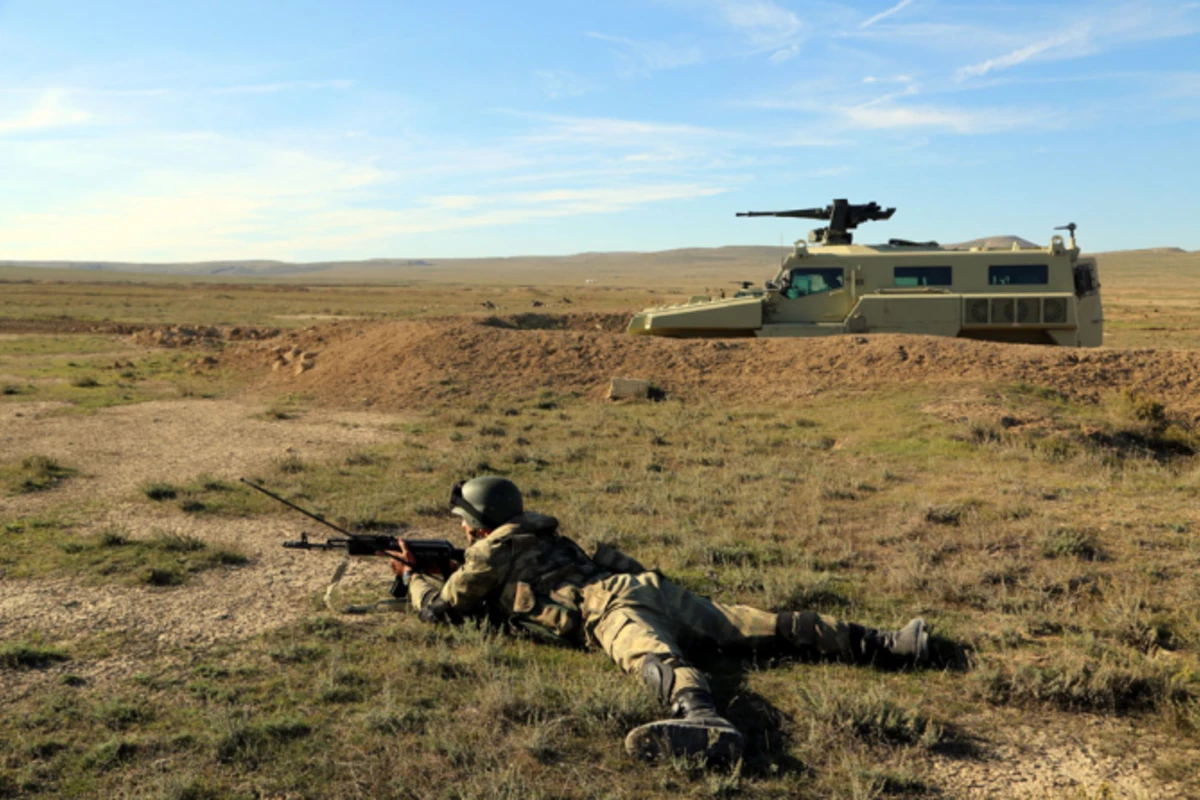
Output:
(486, 502)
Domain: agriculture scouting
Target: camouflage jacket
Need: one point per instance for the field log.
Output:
(525, 572)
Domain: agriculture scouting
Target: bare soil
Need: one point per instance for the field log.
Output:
(404, 365)
(122, 448)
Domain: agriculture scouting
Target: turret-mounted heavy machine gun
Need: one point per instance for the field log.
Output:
(843, 217)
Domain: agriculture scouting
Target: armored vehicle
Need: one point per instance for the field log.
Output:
(1015, 293)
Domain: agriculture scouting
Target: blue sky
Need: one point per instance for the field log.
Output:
(189, 130)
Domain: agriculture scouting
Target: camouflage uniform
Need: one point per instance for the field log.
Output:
(542, 582)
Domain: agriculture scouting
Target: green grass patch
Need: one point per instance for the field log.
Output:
(33, 474)
(113, 555)
(207, 495)
(248, 743)
(1072, 543)
(24, 655)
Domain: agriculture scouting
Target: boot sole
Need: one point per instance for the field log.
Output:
(684, 739)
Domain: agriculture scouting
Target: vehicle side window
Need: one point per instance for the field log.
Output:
(1018, 275)
(921, 276)
(812, 280)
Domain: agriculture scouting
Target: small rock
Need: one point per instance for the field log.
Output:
(628, 389)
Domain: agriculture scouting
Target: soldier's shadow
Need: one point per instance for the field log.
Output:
(769, 730)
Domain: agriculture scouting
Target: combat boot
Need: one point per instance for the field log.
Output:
(910, 644)
(697, 730)
(905, 647)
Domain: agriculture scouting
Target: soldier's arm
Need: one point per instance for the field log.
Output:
(424, 593)
(465, 591)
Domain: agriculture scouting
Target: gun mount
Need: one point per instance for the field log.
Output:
(842, 216)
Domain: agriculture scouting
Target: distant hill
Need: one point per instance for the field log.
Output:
(692, 266)
(994, 242)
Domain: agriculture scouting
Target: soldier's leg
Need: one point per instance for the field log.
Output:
(815, 634)
(808, 632)
(641, 640)
(629, 635)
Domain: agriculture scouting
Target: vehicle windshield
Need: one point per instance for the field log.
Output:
(812, 280)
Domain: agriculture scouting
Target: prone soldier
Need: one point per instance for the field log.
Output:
(519, 566)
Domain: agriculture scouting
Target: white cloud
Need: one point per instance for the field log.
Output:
(287, 86)
(811, 141)
(1078, 38)
(186, 197)
(763, 21)
(888, 79)
(885, 14)
(50, 110)
(454, 201)
(643, 57)
(1177, 85)
(558, 83)
(617, 132)
(785, 53)
(955, 120)
(766, 25)
(1094, 33)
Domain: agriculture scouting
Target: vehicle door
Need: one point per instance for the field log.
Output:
(814, 294)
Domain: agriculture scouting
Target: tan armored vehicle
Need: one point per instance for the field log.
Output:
(1043, 295)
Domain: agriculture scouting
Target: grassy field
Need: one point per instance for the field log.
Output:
(1053, 542)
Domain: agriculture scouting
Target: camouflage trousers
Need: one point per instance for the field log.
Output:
(633, 616)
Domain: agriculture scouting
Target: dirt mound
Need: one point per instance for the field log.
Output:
(612, 323)
(190, 336)
(405, 364)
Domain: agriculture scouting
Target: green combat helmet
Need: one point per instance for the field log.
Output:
(486, 502)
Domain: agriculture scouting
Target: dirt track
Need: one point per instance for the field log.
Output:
(400, 365)
(124, 447)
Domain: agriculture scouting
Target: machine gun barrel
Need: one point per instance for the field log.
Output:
(295, 507)
(806, 213)
(423, 551)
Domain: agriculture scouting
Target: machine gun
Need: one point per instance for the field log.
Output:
(841, 215)
(428, 555)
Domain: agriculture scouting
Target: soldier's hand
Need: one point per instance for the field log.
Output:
(401, 560)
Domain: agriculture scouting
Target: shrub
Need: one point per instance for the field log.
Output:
(35, 474)
(18, 655)
(1071, 542)
(178, 543)
(159, 491)
(248, 743)
(163, 576)
(945, 515)
(113, 538)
